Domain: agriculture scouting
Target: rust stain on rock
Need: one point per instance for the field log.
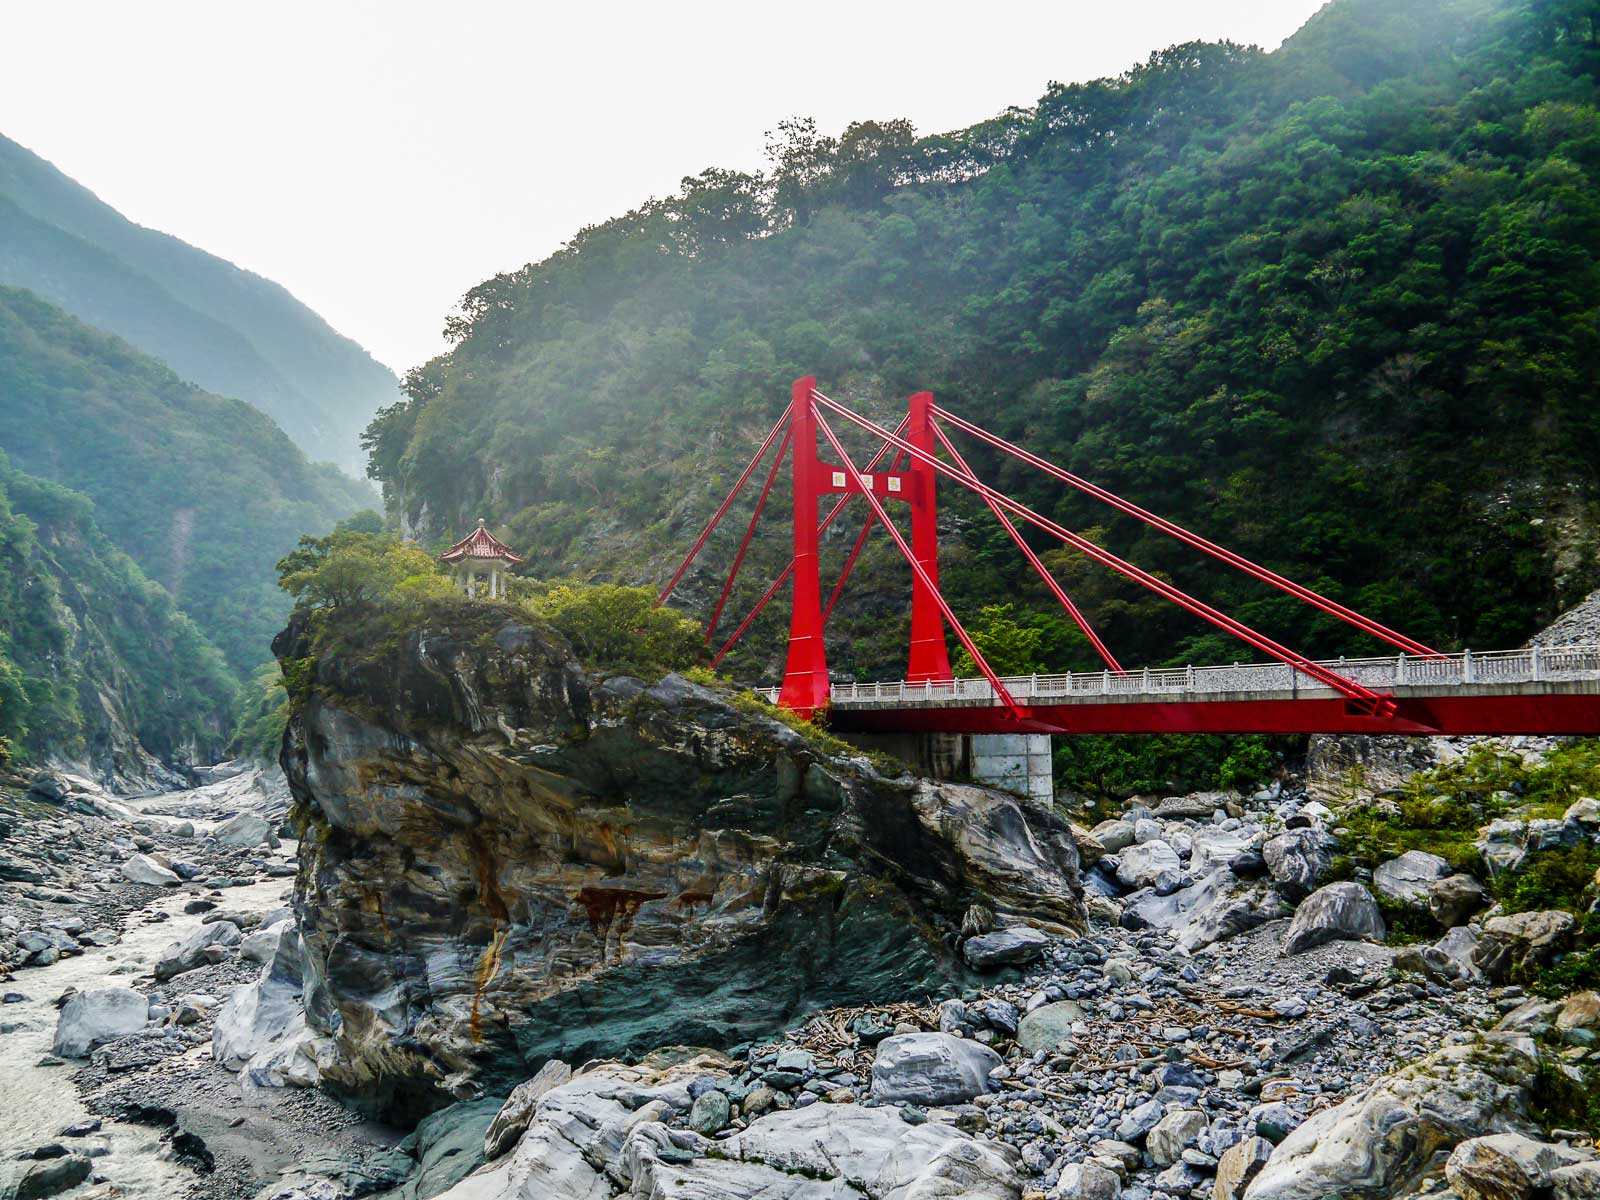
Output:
(488, 964)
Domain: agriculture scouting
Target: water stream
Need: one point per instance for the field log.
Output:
(38, 1102)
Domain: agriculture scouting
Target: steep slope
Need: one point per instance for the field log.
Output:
(204, 493)
(1332, 305)
(98, 668)
(230, 331)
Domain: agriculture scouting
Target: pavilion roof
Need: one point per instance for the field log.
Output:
(480, 543)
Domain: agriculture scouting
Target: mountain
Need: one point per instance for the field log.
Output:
(1332, 305)
(204, 493)
(98, 668)
(229, 330)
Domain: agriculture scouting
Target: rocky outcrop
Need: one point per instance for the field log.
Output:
(1383, 1140)
(507, 860)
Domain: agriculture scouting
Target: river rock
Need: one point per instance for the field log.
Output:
(931, 1068)
(1298, 858)
(92, 1018)
(1455, 899)
(474, 778)
(1086, 1181)
(1115, 835)
(1212, 847)
(1387, 1133)
(1239, 1165)
(1176, 1130)
(1522, 940)
(51, 1177)
(1048, 1026)
(141, 868)
(1408, 879)
(1141, 864)
(1015, 946)
(261, 944)
(197, 949)
(1580, 1011)
(1506, 1166)
(1578, 1182)
(244, 830)
(1338, 912)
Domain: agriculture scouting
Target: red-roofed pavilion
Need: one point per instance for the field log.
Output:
(481, 554)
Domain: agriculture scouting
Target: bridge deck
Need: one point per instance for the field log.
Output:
(1548, 689)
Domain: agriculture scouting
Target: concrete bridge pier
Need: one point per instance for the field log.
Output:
(1012, 762)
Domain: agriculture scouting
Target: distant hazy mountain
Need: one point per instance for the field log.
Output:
(230, 331)
(204, 493)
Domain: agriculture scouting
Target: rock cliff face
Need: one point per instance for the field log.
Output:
(507, 859)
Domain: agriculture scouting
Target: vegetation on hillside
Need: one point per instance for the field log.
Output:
(1333, 305)
(93, 655)
(204, 493)
(226, 329)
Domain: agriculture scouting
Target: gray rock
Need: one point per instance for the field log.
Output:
(1140, 1120)
(931, 1068)
(244, 831)
(1407, 879)
(1115, 836)
(1338, 912)
(1140, 865)
(1506, 1166)
(1456, 898)
(1015, 946)
(1386, 1134)
(92, 1018)
(1048, 1026)
(196, 949)
(1579, 1182)
(1238, 1166)
(1169, 1136)
(1086, 1181)
(1520, 940)
(1298, 858)
(516, 1113)
(141, 868)
(51, 1177)
(709, 1113)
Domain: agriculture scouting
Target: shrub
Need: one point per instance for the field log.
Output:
(620, 628)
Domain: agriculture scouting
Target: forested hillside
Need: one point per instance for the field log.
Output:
(230, 331)
(204, 493)
(97, 665)
(1333, 305)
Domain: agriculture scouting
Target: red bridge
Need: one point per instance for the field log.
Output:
(1418, 690)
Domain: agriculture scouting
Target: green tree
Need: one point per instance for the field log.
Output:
(620, 627)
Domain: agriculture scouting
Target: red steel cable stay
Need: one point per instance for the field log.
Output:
(1238, 561)
(1362, 697)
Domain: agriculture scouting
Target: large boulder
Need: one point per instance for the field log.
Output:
(1176, 1131)
(1529, 939)
(141, 868)
(1408, 879)
(1212, 847)
(1239, 1165)
(1141, 864)
(931, 1068)
(508, 860)
(206, 944)
(1506, 1166)
(1339, 912)
(245, 830)
(1114, 836)
(1004, 948)
(92, 1018)
(1298, 858)
(1455, 899)
(1383, 1139)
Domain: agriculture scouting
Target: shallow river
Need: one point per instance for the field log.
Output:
(38, 1102)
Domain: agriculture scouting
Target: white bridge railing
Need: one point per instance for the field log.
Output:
(1535, 664)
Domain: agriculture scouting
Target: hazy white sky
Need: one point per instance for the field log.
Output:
(379, 157)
